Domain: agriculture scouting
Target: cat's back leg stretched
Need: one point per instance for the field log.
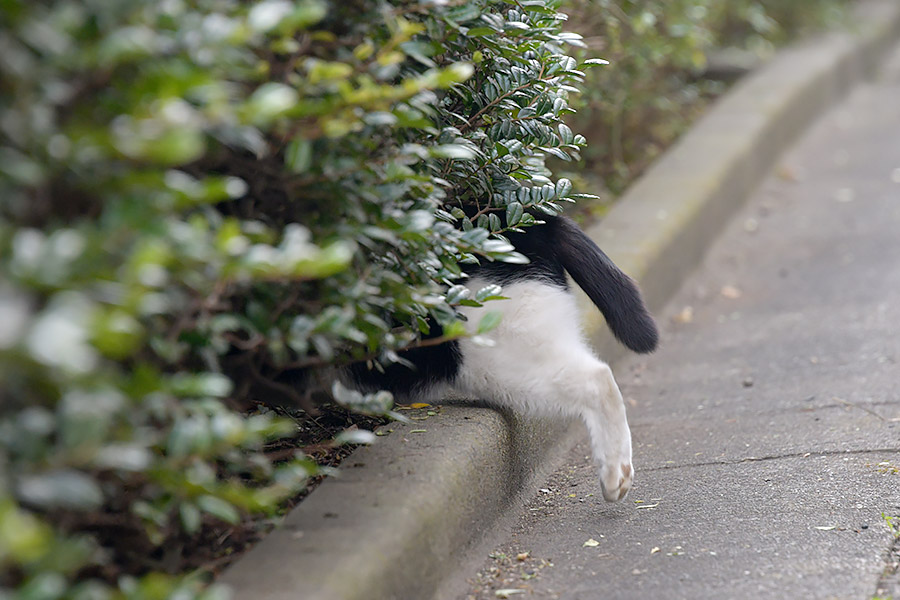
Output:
(540, 362)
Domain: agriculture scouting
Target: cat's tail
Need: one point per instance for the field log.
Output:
(615, 293)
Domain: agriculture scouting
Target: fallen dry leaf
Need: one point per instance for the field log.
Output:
(730, 292)
(686, 315)
(789, 173)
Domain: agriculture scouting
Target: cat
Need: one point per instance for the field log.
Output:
(539, 362)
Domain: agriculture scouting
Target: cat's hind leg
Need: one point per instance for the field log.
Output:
(539, 364)
(610, 437)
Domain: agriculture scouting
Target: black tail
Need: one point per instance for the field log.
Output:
(615, 293)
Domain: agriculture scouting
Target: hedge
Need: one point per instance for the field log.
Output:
(199, 197)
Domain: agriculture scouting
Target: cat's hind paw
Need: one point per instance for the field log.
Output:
(616, 480)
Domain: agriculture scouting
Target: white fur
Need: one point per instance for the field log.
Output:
(540, 364)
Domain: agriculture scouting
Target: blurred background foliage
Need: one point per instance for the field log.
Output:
(199, 198)
(661, 55)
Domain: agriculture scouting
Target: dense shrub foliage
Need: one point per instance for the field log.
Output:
(658, 50)
(200, 196)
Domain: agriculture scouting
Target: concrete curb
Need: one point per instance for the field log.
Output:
(405, 512)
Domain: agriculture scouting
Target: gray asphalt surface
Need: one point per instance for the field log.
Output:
(767, 427)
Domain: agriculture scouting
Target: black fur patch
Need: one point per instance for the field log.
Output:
(431, 365)
(538, 246)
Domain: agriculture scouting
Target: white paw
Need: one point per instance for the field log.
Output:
(616, 479)
(612, 455)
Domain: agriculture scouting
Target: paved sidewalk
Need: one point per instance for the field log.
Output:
(767, 428)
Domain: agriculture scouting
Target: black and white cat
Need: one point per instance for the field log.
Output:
(539, 362)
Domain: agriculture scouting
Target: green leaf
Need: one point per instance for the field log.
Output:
(117, 334)
(172, 147)
(490, 292)
(423, 325)
(455, 73)
(457, 293)
(268, 14)
(455, 329)
(219, 508)
(64, 488)
(269, 101)
(24, 537)
(200, 385)
(464, 13)
(298, 155)
(324, 71)
(489, 321)
(285, 16)
(595, 61)
(514, 212)
(480, 32)
(476, 236)
(20, 168)
(557, 153)
(456, 151)
(189, 436)
(190, 517)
